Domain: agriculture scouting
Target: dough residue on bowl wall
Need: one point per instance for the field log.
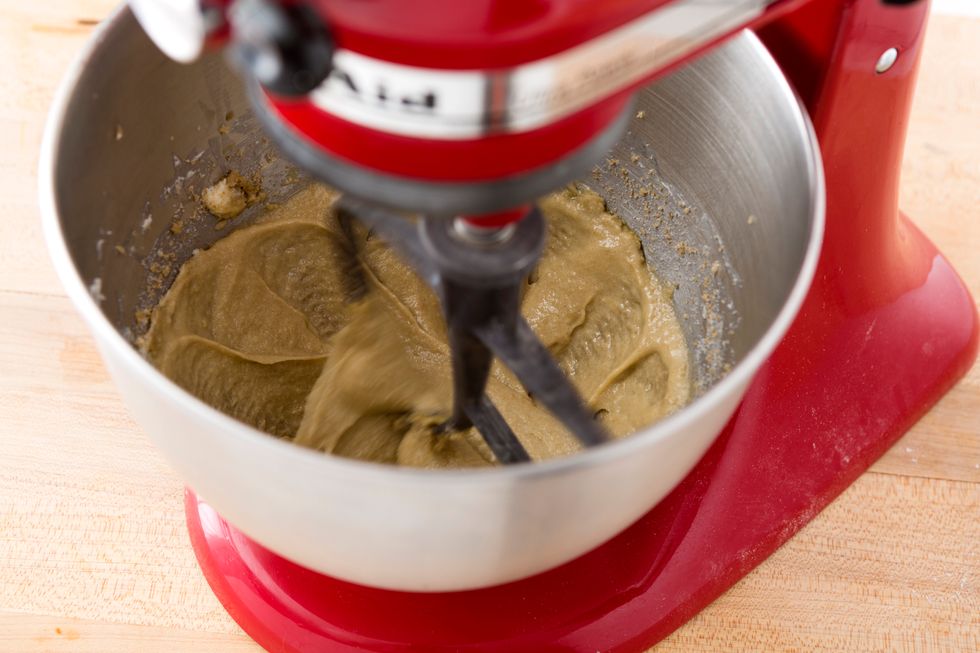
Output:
(229, 196)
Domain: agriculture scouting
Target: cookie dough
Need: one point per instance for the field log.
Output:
(229, 196)
(314, 330)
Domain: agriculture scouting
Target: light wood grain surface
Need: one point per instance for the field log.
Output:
(93, 552)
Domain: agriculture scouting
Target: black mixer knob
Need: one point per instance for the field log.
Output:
(286, 47)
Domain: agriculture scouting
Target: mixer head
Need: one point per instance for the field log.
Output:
(464, 118)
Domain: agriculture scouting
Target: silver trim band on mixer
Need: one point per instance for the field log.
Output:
(462, 104)
(435, 198)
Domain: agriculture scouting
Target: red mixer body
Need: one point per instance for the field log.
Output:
(477, 35)
(887, 328)
(484, 35)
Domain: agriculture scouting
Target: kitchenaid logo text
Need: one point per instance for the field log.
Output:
(403, 99)
(382, 93)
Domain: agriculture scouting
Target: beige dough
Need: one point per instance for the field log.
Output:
(314, 330)
(229, 196)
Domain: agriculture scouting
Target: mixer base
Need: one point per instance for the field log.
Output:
(839, 390)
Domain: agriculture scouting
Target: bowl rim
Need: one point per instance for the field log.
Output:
(108, 336)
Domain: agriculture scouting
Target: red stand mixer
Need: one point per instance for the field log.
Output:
(468, 112)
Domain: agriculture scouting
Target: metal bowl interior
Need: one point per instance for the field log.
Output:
(719, 175)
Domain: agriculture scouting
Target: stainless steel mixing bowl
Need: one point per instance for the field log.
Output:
(720, 176)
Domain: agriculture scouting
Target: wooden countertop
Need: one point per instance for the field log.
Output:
(93, 551)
